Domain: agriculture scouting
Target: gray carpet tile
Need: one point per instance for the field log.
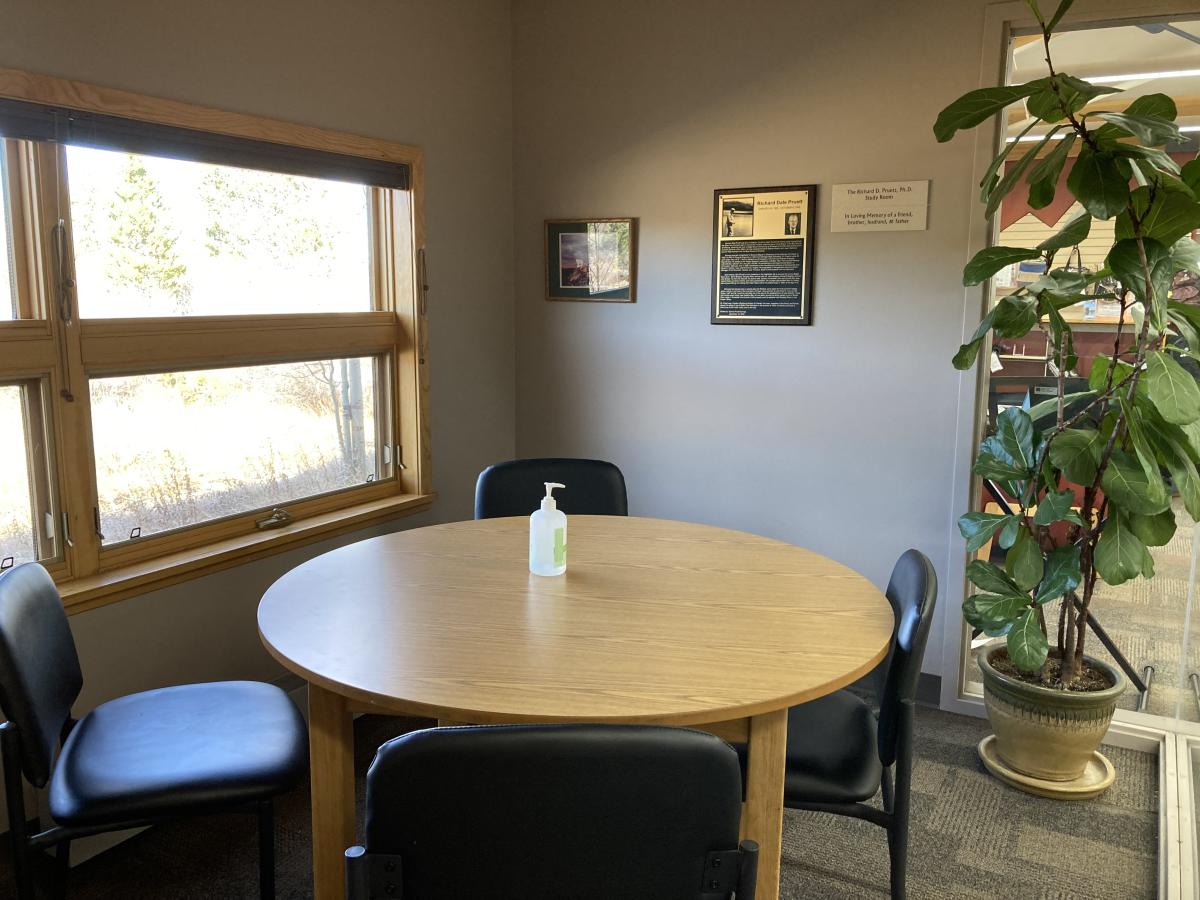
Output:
(972, 837)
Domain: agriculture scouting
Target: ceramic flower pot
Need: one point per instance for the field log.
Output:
(1042, 732)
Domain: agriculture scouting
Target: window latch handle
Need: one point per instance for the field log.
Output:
(276, 519)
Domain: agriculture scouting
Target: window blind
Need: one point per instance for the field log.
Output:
(25, 120)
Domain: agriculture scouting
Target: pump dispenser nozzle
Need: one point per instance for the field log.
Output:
(548, 500)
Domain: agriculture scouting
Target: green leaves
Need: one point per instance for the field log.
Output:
(1027, 646)
(1076, 453)
(990, 260)
(978, 527)
(975, 106)
(1119, 552)
(1062, 574)
(1043, 178)
(1170, 216)
(1098, 182)
(1126, 484)
(1150, 130)
(1172, 389)
(1125, 261)
(1056, 507)
(1024, 562)
(1154, 531)
(992, 579)
(1015, 430)
(1074, 232)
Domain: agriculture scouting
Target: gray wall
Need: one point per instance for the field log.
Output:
(433, 74)
(838, 437)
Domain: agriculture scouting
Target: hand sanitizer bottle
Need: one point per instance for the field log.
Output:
(548, 536)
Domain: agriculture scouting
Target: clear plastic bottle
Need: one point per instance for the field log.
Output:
(548, 536)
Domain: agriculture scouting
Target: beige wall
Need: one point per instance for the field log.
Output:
(433, 74)
(839, 437)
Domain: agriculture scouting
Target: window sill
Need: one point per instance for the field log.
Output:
(93, 591)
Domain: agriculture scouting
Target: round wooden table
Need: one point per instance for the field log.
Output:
(654, 621)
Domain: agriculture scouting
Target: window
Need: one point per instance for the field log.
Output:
(204, 337)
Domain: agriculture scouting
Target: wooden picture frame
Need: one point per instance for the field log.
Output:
(762, 256)
(591, 260)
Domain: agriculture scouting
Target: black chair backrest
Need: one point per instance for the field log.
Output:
(516, 487)
(912, 592)
(39, 668)
(544, 812)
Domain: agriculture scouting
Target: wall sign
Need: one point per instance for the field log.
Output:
(763, 255)
(880, 206)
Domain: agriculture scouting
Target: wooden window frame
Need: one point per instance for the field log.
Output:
(67, 352)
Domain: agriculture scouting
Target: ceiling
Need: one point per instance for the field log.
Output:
(1156, 52)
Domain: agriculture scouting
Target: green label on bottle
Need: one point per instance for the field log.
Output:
(560, 547)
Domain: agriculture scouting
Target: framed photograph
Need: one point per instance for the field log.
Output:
(591, 260)
(762, 264)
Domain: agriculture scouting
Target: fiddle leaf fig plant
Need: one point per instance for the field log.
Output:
(1091, 474)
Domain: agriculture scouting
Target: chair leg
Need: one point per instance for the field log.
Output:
(62, 859)
(14, 796)
(22, 868)
(266, 850)
(898, 856)
(885, 785)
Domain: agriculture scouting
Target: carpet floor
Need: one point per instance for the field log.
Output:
(972, 837)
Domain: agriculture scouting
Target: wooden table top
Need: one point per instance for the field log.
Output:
(654, 621)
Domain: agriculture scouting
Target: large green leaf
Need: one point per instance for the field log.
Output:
(1125, 261)
(990, 260)
(1172, 389)
(1043, 177)
(1119, 551)
(1154, 531)
(1186, 255)
(1061, 11)
(1045, 407)
(1027, 646)
(1062, 573)
(1150, 130)
(1170, 216)
(975, 106)
(1012, 175)
(1096, 181)
(1074, 232)
(978, 527)
(1183, 473)
(1126, 484)
(1190, 173)
(1055, 507)
(992, 579)
(990, 179)
(1024, 562)
(991, 611)
(1076, 453)
(1015, 430)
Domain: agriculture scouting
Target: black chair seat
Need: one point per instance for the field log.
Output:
(831, 756)
(178, 750)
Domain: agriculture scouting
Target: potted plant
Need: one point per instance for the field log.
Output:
(1091, 474)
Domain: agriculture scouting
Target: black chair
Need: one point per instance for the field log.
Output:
(545, 812)
(516, 487)
(138, 760)
(839, 754)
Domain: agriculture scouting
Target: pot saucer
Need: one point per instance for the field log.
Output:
(1097, 776)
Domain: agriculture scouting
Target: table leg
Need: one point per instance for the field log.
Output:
(331, 759)
(762, 819)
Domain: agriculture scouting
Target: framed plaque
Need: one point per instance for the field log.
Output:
(763, 255)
